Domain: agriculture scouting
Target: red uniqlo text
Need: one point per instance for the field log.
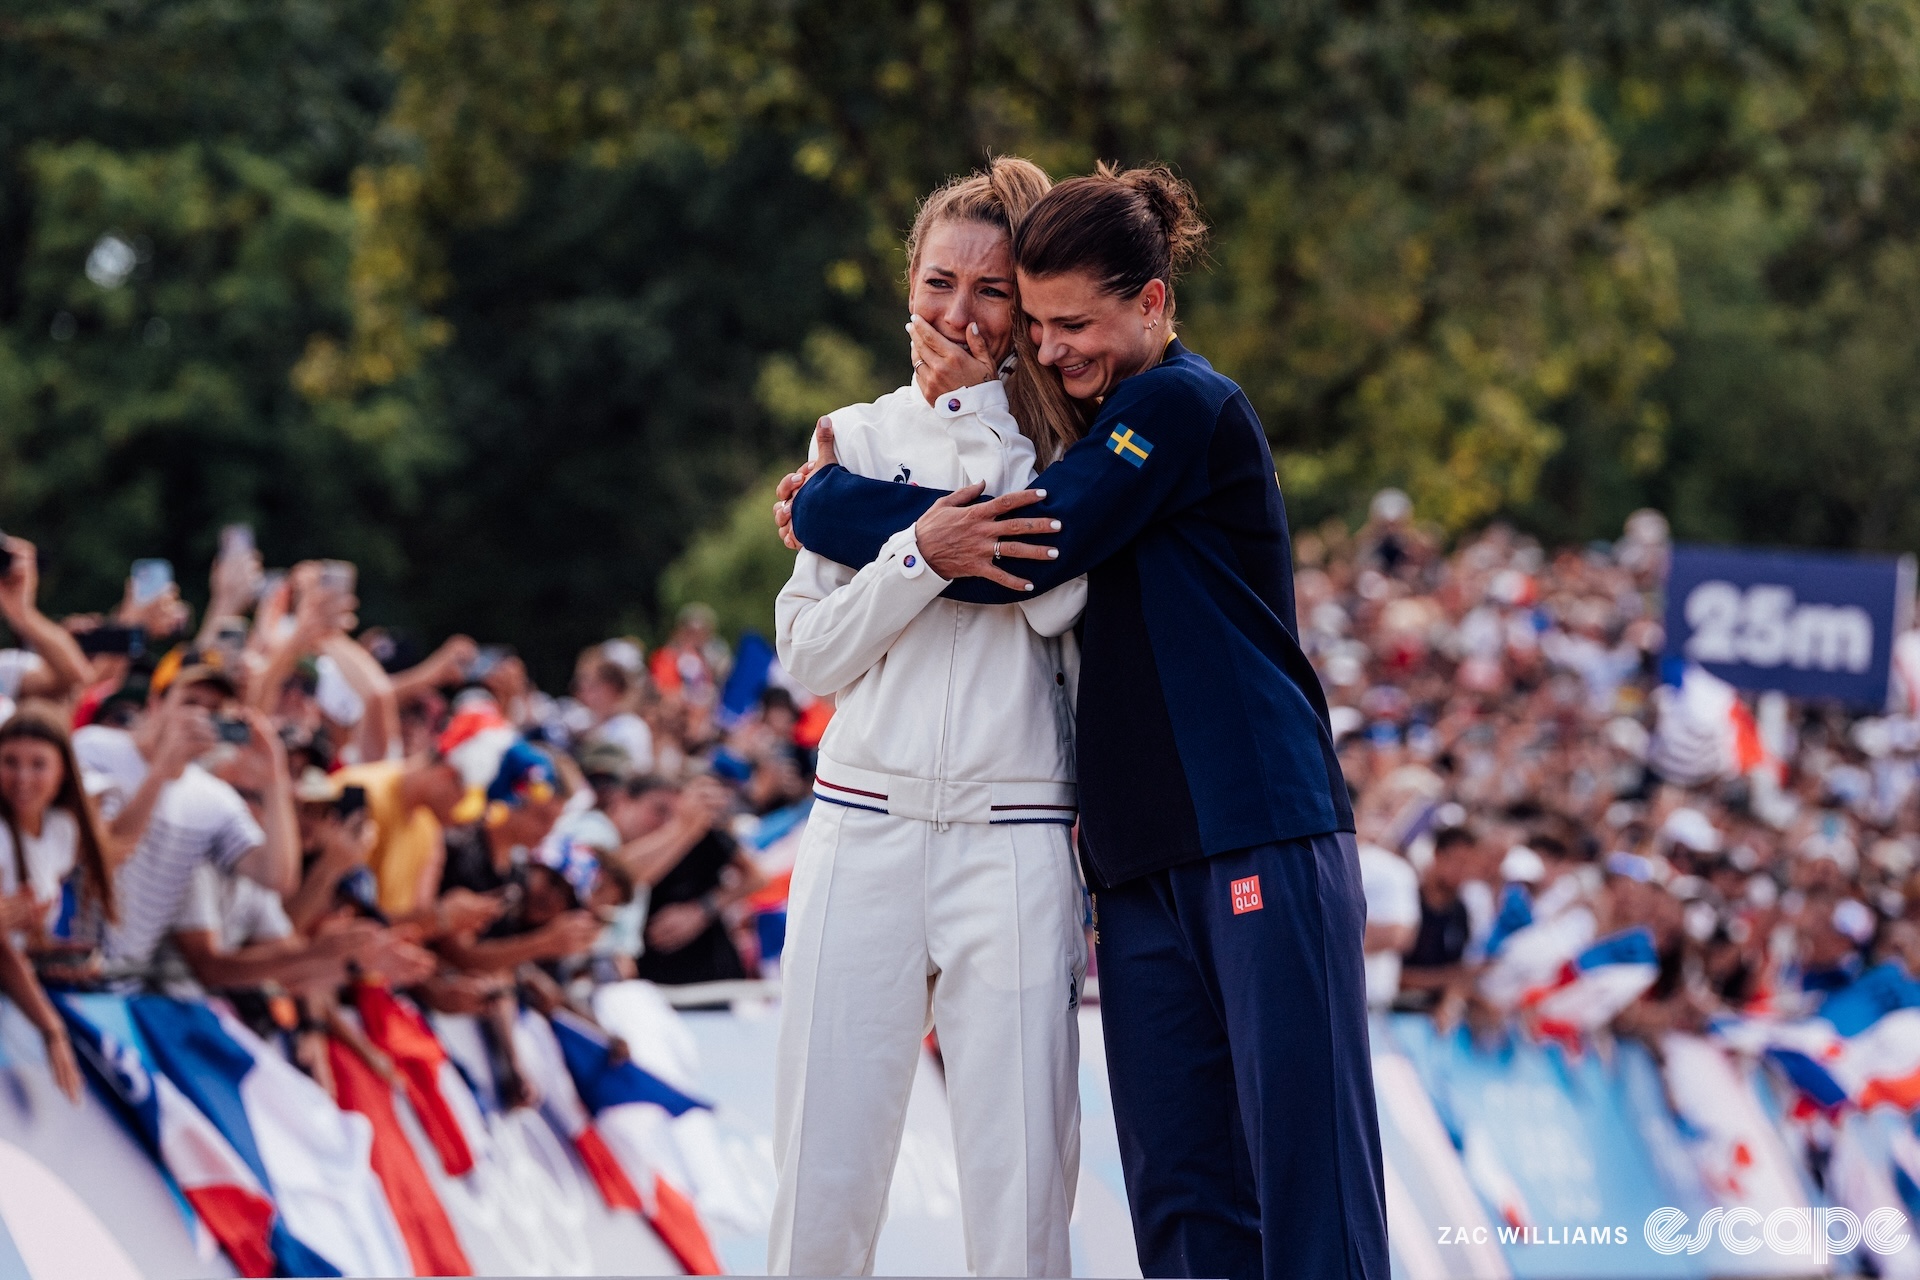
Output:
(1246, 895)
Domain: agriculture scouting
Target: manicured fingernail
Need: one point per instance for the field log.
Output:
(1055, 524)
(973, 328)
(1027, 587)
(1041, 492)
(1053, 553)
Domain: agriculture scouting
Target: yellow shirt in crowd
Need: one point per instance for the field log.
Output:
(409, 843)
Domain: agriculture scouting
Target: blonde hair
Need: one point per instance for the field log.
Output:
(1000, 196)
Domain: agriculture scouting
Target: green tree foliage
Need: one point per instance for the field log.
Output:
(513, 301)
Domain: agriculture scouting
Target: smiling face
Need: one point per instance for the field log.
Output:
(965, 276)
(1094, 338)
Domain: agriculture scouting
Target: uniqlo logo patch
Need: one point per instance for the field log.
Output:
(1246, 895)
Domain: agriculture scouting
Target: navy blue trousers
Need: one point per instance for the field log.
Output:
(1237, 1051)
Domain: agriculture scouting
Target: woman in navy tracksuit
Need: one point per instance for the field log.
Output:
(1215, 824)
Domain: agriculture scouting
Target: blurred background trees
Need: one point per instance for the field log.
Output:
(520, 304)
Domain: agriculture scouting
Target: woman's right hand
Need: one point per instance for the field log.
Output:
(941, 365)
(790, 484)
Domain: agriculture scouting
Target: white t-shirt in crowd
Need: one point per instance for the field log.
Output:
(49, 857)
(630, 733)
(1392, 889)
(15, 666)
(198, 819)
(234, 909)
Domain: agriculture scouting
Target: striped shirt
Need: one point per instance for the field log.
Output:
(197, 820)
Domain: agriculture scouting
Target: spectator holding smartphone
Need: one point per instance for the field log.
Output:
(176, 814)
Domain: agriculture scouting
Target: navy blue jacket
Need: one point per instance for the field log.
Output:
(1202, 727)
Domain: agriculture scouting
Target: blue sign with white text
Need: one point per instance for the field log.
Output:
(1811, 625)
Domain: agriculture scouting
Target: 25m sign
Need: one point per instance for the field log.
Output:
(1811, 625)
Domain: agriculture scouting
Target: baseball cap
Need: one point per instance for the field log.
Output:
(601, 758)
(573, 862)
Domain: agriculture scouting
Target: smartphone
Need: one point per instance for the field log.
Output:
(352, 800)
(236, 540)
(271, 581)
(486, 660)
(229, 729)
(151, 578)
(338, 576)
(131, 641)
(229, 640)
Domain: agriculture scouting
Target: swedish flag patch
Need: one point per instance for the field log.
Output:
(1128, 446)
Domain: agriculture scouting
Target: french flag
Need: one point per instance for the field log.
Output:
(432, 1243)
(314, 1160)
(1862, 1049)
(1592, 988)
(225, 1190)
(540, 1060)
(1881, 1064)
(428, 1077)
(622, 1118)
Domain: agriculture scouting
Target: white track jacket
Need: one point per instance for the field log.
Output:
(945, 712)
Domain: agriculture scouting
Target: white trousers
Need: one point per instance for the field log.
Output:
(895, 924)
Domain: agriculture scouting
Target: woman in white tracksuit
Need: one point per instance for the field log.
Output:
(936, 883)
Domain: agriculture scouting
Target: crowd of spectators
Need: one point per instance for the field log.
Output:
(1531, 777)
(277, 806)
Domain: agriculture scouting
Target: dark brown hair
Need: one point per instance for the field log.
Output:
(1123, 227)
(1000, 195)
(33, 724)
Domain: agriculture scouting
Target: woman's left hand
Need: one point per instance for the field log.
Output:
(941, 365)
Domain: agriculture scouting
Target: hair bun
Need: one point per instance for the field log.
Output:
(1174, 205)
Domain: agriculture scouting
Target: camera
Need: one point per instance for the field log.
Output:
(231, 730)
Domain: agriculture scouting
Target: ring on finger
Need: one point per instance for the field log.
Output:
(996, 548)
